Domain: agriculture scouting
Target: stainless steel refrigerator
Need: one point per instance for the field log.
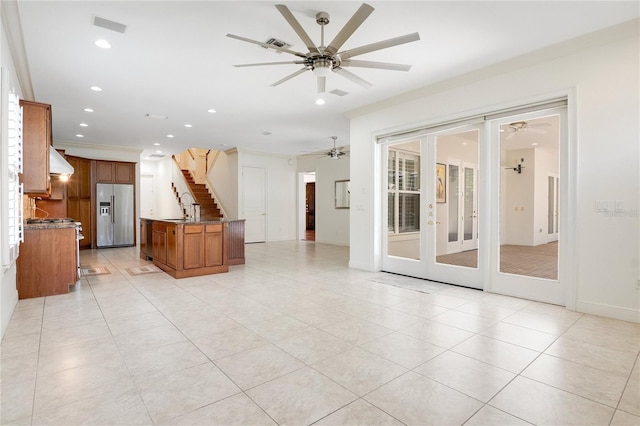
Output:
(115, 221)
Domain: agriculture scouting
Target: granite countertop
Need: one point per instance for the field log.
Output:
(188, 222)
(49, 225)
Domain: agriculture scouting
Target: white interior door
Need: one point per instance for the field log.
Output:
(254, 204)
(424, 205)
(147, 196)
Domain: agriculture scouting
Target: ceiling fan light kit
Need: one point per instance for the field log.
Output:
(323, 60)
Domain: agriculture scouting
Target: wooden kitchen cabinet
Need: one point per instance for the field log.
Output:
(47, 264)
(213, 245)
(79, 197)
(172, 246)
(189, 249)
(159, 238)
(37, 139)
(193, 247)
(115, 172)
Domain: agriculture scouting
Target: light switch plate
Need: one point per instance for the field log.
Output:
(602, 206)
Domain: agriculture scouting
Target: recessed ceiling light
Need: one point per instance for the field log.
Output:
(535, 144)
(158, 152)
(211, 111)
(96, 88)
(84, 125)
(79, 136)
(103, 44)
(156, 116)
(319, 101)
(87, 110)
(147, 158)
(156, 143)
(464, 144)
(188, 125)
(169, 136)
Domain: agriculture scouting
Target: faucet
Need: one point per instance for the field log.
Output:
(186, 215)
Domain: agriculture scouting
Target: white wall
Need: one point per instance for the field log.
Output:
(602, 71)
(8, 291)
(223, 178)
(519, 199)
(332, 225)
(546, 164)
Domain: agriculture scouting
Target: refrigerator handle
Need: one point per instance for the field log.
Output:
(113, 209)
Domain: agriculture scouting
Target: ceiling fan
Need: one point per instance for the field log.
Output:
(518, 168)
(523, 126)
(335, 153)
(323, 60)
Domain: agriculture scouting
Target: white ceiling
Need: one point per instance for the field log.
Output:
(174, 60)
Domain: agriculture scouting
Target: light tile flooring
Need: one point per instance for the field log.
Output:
(295, 337)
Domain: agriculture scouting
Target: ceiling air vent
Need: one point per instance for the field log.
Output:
(277, 43)
(109, 25)
(339, 92)
(157, 156)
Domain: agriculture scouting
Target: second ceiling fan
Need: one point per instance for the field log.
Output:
(323, 60)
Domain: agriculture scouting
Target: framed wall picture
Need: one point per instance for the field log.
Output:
(441, 183)
(342, 194)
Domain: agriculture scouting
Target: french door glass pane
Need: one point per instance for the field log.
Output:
(529, 158)
(403, 200)
(469, 189)
(409, 212)
(453, 203)
(551, 201)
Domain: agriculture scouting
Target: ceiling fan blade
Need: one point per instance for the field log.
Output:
(284, 11)
(510, 135)
(322, 84)
(290, 76)
(377, 65)
(268, 63)
(379, 45)
(351, 76)
(349, 28)
(268, 46)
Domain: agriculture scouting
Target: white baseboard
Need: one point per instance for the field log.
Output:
(616, 312)
(363, 266)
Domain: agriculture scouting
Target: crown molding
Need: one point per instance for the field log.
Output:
(99, 147)
(13, 29)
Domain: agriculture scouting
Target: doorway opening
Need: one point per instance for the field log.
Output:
(308, 207)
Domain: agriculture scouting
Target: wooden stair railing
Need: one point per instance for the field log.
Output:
(208, 207)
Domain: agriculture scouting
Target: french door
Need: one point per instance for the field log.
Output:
(484, 205)
(431, 206)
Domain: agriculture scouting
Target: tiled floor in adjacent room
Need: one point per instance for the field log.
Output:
(295, 337)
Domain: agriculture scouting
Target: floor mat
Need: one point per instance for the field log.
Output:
(140, 270)
(87, 271)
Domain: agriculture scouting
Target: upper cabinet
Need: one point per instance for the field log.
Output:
(115, 172)
(37, 141)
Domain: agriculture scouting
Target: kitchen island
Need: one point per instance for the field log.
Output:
(184, 248)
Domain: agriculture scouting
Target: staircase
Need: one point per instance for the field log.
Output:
(208, 207)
